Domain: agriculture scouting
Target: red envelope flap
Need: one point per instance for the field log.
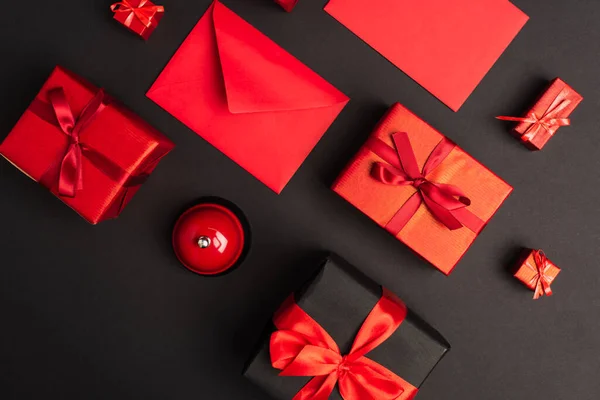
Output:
(260, 76)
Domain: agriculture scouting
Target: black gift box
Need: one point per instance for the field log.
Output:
(339, 298)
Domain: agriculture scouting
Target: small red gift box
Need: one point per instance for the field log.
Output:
(88, 150)
(139, 16)
(422, 188)
(549, 113)
(537, 273)
(288, 5)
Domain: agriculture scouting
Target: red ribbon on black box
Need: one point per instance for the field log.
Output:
(301, 347)
(342, 329)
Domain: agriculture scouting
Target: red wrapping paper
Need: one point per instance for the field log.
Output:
(288, 5)
(36, 147)
(139, 16)
(537, 272)
(549, 113)
(423, 233)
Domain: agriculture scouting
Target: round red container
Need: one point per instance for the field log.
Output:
(211, 238)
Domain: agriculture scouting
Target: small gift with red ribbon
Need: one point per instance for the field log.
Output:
(550, 112)
(87, 149)
(422, 188)
(342, 336)
(537, 272)
(139, 16)
(288, 5)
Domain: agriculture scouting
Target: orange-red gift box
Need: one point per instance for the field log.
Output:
(528, 272)
(37, 144)
(139, 16)
(557, 93)
(423, 233)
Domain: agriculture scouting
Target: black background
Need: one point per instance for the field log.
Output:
(105, 311)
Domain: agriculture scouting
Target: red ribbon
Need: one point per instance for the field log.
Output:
(541, 281)
(144, 12)
(70, 165)
(301, 347)
(549, 121)
(447, 203)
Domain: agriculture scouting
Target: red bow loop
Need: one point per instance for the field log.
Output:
(144, 12)
(71, 172)
(440, 199)
(547, 121)
(301, 347)
(390, 175)
(541, 281)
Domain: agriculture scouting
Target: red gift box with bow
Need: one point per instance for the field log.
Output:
(422, 188)
(537, 272)
(550, 112)
(342, 336)
(139, 16)
(88, 150)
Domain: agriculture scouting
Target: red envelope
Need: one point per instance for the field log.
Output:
(446, 46)
(247, 96)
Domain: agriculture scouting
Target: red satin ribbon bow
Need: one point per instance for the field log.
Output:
(68, 169)
(70, 176)
(541, 281)
(447, 203)
(548, 121)
(301, 347)
(144, 12)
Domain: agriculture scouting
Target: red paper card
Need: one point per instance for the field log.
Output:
(446, 46)
(247, 96)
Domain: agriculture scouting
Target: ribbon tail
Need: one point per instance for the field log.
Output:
(539, 291)
(542, 286)
(517, 119)
(547, 289)
(389, 175)
(368, 380)
(442, 214)
(70, 176)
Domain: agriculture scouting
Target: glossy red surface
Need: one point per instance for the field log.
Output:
(221, 233)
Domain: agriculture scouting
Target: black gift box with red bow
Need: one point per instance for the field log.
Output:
(340, 298)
